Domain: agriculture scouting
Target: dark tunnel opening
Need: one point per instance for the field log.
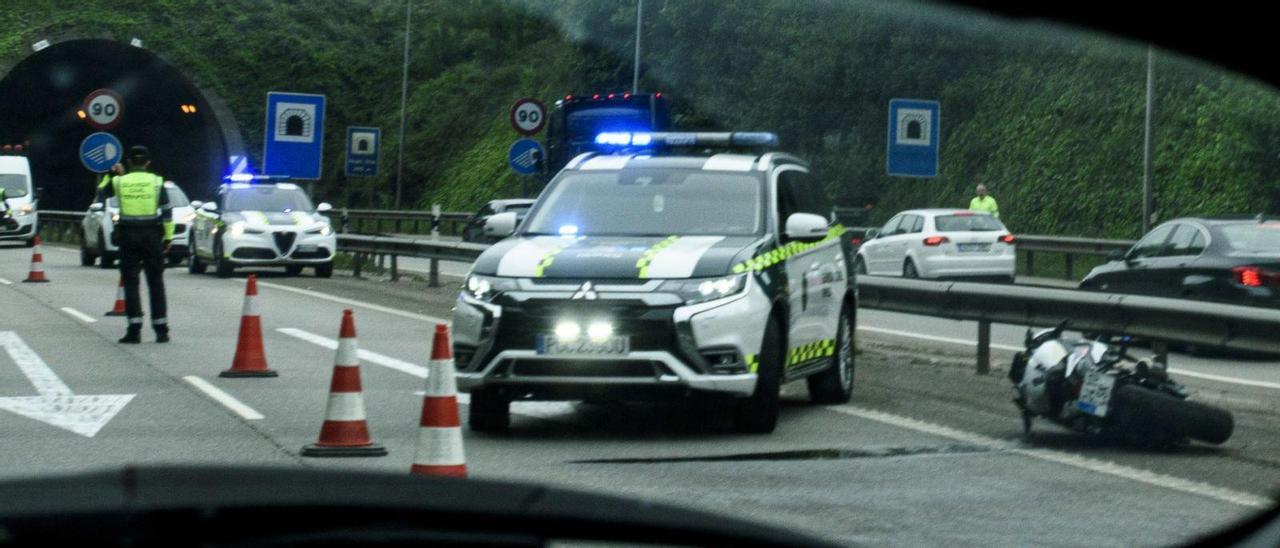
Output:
(41, 95)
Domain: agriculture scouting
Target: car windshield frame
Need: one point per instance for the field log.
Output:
(235, 196)
(534, 225)
(22, 183)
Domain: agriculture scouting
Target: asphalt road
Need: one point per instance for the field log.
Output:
(927, 452)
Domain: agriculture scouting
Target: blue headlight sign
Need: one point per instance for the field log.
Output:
(524, 156)
(914, 128)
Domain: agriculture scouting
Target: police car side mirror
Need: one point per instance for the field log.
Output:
(324, 207)
(806, 227)
(96, 206)
(500, 225)
(196, 203)
(1116, 255)
(209, 207)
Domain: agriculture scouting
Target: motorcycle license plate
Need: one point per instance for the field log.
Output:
(617, 345)
(1095, 394)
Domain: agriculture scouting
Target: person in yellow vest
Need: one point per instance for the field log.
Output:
(984, 202)
(145, 231)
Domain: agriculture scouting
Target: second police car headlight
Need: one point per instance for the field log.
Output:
(236, 230)
(485, 287)
(706, 289)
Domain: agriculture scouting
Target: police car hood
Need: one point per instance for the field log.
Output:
(267, 219)
(616, 257)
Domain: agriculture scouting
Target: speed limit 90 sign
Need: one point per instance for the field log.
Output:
(528, 116)
(103, 109)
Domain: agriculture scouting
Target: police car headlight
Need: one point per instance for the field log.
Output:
(485, 287)
(706, 289)
(326, 230)
(27, 209)
(236, 230)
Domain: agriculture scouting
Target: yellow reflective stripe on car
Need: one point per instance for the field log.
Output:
(811, 351)
(550, 257)
(780, 254)
(647, 257)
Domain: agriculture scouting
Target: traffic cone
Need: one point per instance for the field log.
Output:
(37, 272)
(118, 309)
(249, 360)
(439, 451)
(345, 432)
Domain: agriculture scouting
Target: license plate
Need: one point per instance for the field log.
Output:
(1095, 394)
(973, 247)
(308, 248)
(616, 345)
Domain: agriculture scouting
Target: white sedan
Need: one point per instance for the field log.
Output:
(99, 222)
(939, 243)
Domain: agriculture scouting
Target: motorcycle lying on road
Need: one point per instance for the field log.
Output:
(1096, 387)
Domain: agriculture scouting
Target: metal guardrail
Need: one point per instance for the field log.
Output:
(363, 246)
(1157, 319)
(401, 221)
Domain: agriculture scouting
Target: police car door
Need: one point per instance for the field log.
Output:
(813, 275)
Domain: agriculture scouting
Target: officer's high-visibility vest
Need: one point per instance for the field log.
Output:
(985, 203)
(139, 195)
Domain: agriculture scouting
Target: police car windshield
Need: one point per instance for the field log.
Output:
(15, 185)
(267, 198)
(651, 201)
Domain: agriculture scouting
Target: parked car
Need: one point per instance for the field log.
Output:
(99, 222)
(1216, 259)
(22, 222)
(939, 243)
(474, 231)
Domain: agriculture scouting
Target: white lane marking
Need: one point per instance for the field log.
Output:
(78, 315)
(539, 409)
(935, 338)
(1076, 461)
(227, 400)
(1231, 380)
(62, 249)
(365, 355)
(1184, 372)
(5, 282)
(56, 405)
(352, 302)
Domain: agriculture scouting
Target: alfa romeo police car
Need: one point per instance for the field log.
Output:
(257, 222)
(679, 265)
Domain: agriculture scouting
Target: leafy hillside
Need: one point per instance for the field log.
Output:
(1050, 120)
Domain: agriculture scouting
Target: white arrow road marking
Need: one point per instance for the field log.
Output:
(56, 405)
(5, 282)
(545, 410)
(78, 315)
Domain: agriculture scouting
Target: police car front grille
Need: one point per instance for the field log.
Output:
(578, 368)
(253, 253)
(284, 239)
(319, 253)
(650, 328)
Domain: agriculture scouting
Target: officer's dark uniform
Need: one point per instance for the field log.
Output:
(144, 231)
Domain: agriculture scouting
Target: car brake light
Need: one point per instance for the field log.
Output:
(1252, 276)
(855, 240)
(1007, 238)
(933, 241)
(596, 96)
(962, 214)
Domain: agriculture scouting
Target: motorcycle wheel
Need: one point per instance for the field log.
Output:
(1158, 415)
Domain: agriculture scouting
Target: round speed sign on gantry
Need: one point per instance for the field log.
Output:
(528, 116)
(103, 109)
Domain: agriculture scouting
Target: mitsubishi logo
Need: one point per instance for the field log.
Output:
(585, 292)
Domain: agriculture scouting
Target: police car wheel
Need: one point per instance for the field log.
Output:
(325, 270)
(835, 384)
(108, 260)
(293, 270)
(909, 270)
(194, 265)
(758, 414)
(29, 242)
(221, 267)
(489, 411)
(87, 258)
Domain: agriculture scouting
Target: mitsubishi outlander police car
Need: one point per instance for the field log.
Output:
(679, 265)
(261, 223)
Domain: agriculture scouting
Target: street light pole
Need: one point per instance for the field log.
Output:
(1147, 154)
(635, 76)
(404, 98)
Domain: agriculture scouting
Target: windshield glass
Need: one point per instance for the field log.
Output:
(964, 222)
(267, 198)
(651, 201)
(15, 185)
(1253, 237)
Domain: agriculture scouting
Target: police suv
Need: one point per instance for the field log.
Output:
(258, 222)
(681, 264)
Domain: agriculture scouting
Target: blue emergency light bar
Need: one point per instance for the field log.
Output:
(687, 139)
(251, 178)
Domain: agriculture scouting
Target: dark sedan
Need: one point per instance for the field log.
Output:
(474, 231)
(1227, 260)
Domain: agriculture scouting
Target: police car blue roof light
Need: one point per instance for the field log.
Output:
(240, 177)
(753, 138)
(568, 230)
(617, 138)
(675, 139)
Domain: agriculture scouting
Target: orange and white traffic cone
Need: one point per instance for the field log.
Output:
(118, 308)
(439, 451)
(250, 360)
(345, 432)
(37, 271)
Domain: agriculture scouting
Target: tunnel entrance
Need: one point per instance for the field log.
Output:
(41, 96)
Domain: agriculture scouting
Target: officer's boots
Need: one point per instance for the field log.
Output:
(162, 333)
(133, 335)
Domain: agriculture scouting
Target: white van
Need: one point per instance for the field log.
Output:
(20, 200)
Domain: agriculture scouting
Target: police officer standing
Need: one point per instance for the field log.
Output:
(144, 232)
(984, 202)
